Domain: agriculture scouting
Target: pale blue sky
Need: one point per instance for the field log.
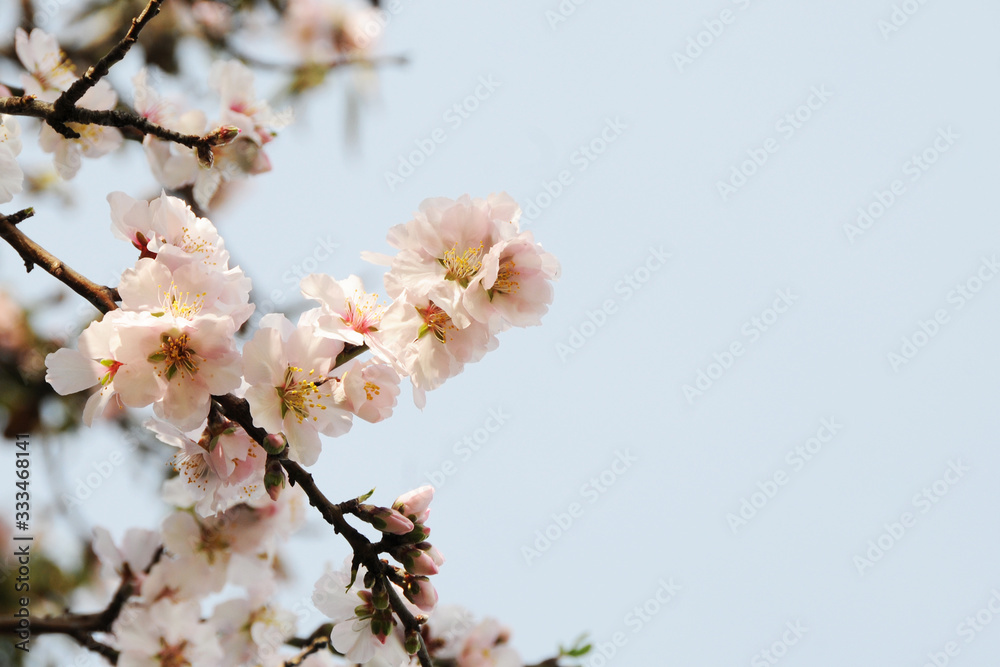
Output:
(868, 100)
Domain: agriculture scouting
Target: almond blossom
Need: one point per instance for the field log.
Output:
(173, 165)
(94, 140)
(168, 226)
(177, 363)
(11, 176)
(441, 251)
(290, 390)
(166, 634)
(186, 292)
(361, 631)
(347, 312)
(221, 468)
(427, 345)
(94, 362)
(49, 73)
(369, 390)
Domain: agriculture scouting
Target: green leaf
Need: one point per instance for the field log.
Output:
(156, 357)
(366, 496)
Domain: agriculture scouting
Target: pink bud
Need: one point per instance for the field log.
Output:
(435, 555)
(415, 502)
(420, 592)
(418, 562)
(395, 523)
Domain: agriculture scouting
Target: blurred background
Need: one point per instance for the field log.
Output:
(759, 423)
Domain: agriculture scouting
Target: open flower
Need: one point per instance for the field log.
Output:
(178, 363)
(49, 73)
(11, 176)
(94, 140)
(291, 391)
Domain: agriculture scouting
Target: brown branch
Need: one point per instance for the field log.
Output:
(67, 101)
(314, 646)
(33, 254)
(28, 105)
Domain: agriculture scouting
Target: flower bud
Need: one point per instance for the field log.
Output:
(274, 479)
(414, 503)
(385, 519)
(222, 135)
(416, 561)
(380, 597)
(274, 443)
(420, 592)
(412, 644)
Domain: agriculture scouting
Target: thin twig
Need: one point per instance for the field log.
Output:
(72, 95)
(33, 254)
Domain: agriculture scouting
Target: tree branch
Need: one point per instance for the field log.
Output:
(67, 101)
(103, 298)
(28, 105)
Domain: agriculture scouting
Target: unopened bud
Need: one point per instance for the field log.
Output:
(221, 136)
(274, 479)
(412, 644)
(274, 443)
(380, 597)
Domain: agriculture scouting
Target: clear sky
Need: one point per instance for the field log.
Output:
(766, 391)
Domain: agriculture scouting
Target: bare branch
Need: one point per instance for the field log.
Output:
(72, 95)
(103, 298)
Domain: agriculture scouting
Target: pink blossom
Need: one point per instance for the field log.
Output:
(369, 390)
(487, 646)
(94, 140)
(166, 633)
(11, 176)
(178, 364)
(415, 504)
(347, 312)
(216, 471)
(290, 390)
(49, 73)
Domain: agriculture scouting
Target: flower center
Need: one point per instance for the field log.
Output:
(372, 390)
(300, 396)
(506, 282)
(363, 312)
(177, 355)
(172, 656)
(462, 267)
(112, 367)
(181, 304)
(436, 321)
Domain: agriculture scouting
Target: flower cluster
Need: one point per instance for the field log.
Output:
(366, 630)
(48, 75)
(245, 125)
(464, 272)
